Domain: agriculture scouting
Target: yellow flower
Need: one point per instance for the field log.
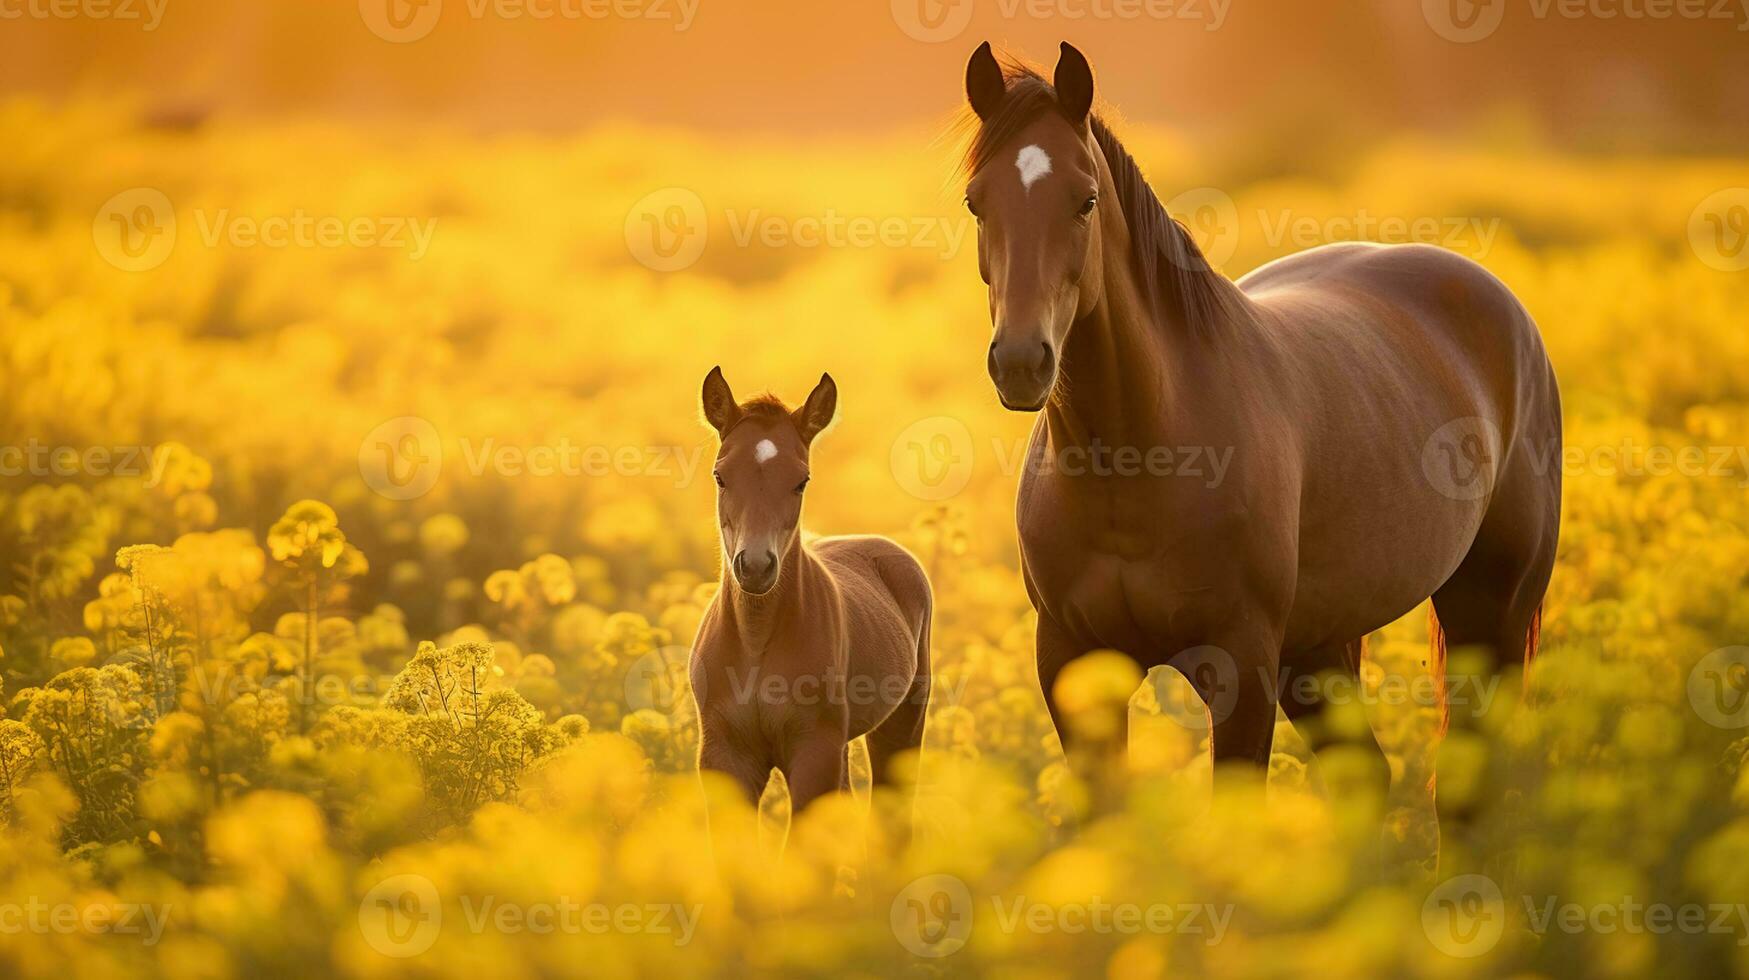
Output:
(307, 530)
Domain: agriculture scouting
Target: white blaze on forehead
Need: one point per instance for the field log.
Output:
(1033, 163)
(765, 450)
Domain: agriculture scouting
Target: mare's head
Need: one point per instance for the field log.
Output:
(761, 471)
(1035, 189)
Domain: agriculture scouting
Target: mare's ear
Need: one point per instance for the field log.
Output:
(1074, 84)
(816, 414)
(985, 88)
(720, 409)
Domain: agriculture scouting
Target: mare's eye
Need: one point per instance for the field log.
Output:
(974, 210)
(802, 485)
(1087, 205)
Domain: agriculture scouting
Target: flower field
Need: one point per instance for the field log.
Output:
(355, 521)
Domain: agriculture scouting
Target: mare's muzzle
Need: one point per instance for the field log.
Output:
(1024, 371)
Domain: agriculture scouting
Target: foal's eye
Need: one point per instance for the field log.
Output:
(720, 484)
(970, 207)
(1087, 205)
(802, 485)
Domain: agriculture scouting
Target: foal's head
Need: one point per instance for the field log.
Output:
(761, 470)
(1034, 188)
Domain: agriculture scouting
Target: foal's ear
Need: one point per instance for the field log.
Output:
(1074, 84)
(816, 414)
(720, 409)
(985, 88)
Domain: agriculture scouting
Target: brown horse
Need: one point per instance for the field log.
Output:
(1390, 413)
(807, 645)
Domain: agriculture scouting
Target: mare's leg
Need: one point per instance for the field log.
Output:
(1095, 761)
(1055, 652)
(1308, 684)
(1493, 602)
(1247, 734)
(1493, 599)
(1241, 699)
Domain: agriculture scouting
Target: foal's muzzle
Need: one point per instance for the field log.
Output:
(756, 574)
(1024, 371)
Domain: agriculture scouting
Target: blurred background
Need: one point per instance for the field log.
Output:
(332, 329)
(1598, 73)
(353, 251)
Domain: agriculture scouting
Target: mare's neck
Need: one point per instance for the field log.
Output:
(1127, 368)
(1117, 382)
(757, 618)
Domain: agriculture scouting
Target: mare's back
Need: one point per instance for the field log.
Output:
(1441, 287)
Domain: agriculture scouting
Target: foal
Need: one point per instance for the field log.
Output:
(806, 645)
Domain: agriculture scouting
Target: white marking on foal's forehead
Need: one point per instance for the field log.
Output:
(1033, 163)
(765, 450)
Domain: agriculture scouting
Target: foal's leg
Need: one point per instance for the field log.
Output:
(815, 767)
(902, 731)
(733, 831)
(719, 753)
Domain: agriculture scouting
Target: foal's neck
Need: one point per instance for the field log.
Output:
(758, 618)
